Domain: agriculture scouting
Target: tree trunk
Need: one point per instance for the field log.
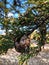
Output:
(42, 35)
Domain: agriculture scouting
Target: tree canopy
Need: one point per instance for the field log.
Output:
(27, 15)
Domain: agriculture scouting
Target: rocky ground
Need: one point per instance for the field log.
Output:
(10, 58)
(41, 59)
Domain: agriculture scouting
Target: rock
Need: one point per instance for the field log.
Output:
(46, 46)
(33, 43)
(23, 45)
(41, 59)
(10, 58)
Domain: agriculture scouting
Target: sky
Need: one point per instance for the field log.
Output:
(22, 10)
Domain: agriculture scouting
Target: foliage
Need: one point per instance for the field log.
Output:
(36, 14)
(23, 58)
(5, 44)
